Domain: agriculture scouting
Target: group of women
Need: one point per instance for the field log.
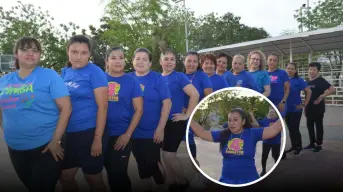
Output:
(90, 119)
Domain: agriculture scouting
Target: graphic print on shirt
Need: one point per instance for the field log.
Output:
(72, 84)
(239, 83)
(142, 87)
(113, 91)
(16, 94)
(235, 147)
(273, 79)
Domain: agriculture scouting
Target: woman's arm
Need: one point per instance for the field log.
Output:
(200, 131)
(101, 99)
(266, 90)
(272, 131)
(138, 107)
(193, 94)
(254, 122)
(64, 106)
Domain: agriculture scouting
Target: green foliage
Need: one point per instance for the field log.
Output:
(27, 20)
(222, 103)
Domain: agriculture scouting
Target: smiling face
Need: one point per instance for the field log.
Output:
(237, 65)
(222, 64)
(255, 61)
(28, 55)
(116, 61)
(208, 67)
(191, 63)
(141, 62)
(78, 54)
(168, 62)
(235, 122)
(291, 70)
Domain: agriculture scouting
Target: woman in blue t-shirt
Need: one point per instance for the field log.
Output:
(240, 77)
(238, 146)
(201, 82)
(125, 109)
(273, 144)
(295, 107)
(256, 66)
(221, 68)
(85, 138)
(149, 134)
(175, 130)
(208, 64)
(35, 108)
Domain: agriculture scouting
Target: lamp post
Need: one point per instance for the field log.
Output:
(186, 23)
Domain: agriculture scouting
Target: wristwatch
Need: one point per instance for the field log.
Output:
(283, 102)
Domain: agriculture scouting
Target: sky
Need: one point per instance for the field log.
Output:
(274, 16)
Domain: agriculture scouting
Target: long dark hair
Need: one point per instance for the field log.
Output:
(296, 68)
(225, 134)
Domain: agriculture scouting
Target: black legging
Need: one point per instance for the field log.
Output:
(315, 137)
(265, 153)
(293, 123)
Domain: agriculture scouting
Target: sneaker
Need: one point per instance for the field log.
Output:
(298, 152)
(310, 146)
(317, 148)
(290, 150)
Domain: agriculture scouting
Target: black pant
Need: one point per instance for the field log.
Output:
(38, 171)
(116, 165)
(265, 153)
(315, 137)
(293, 123)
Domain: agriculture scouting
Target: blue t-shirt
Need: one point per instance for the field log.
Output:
(201, 81)
(239, 156)
(266, 123)
(277, 84)
(261, 78)
(155, 90)
(243, 79)
(29, 111)
(81, 84)
(121, 91)
(176, 82)
(218, 82)
(297, 85)
(226, 73)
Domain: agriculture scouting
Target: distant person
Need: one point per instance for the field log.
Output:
(208, 63)
(222, 61)
(295, 107)
(240, 77)
(256, 66)
(86, 136)
(238, 146)
(315, 109)
(273, 143)
(148, 137)
(35, 109)
(176, 126)
(125, 109)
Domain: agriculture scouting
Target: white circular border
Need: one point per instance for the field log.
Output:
(283, 137)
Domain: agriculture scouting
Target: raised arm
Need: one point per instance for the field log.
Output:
(272, 131)
(254, 122)
(200, 131)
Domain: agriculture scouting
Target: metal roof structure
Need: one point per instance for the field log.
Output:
(305, 42)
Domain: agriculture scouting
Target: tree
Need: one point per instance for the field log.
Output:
(27, 20)
(222, 103)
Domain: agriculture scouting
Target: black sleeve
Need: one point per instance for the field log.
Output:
(325, 84)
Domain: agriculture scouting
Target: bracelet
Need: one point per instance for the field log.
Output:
(128, 134)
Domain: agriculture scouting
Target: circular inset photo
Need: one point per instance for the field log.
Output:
(239, 136)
